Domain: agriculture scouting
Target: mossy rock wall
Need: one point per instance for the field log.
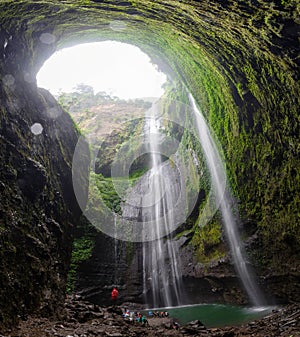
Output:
(240, 59)
(38, 208)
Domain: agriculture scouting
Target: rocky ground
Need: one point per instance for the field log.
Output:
(82, 319)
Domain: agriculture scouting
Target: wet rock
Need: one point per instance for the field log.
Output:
(37, 207)
(32, 179)
(228, 334)
(115, 310)
(196, 324)
(168, 325)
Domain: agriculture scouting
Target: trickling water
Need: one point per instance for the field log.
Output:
(116, 258)
(223, 199)
(161, 262)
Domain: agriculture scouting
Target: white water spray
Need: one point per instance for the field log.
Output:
(161, 261)
(223, 199)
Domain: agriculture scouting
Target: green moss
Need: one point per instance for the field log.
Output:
(108, 193)
(82, 251)
(207, 241)
(135, 175)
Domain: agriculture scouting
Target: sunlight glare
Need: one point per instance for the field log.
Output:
(116, 68)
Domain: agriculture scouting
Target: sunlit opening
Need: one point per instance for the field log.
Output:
(119, 69)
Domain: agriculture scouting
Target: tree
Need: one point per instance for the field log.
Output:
(84, 89)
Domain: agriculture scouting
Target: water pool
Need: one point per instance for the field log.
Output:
(216, 315)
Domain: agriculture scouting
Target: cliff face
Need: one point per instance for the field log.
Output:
(240, 60)
(37, 204)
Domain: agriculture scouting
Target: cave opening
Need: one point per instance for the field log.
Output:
(117, 69)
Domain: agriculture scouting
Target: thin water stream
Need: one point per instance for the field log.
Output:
(225, 202)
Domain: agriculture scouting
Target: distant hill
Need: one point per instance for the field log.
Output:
(97, 115)
(106, 121)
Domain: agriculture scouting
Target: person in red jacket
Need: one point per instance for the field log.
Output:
(114, 295)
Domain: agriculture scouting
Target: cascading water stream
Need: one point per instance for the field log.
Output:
(116, 258)
(160, 257)
(223, 199)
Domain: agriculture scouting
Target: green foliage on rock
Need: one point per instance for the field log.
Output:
(208, 242)
(108, 193)
(82, 251)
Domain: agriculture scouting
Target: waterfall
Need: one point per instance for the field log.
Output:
(160, 201)
(161, 262)
(222, 198)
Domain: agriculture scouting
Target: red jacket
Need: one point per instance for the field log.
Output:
(114, 294)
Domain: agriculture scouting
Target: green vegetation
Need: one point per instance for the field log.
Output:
(108, 193)
(208, 242)
(135, 175)
(82, 250)
(83, 98)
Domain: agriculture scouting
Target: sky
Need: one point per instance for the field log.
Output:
(117, 68)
